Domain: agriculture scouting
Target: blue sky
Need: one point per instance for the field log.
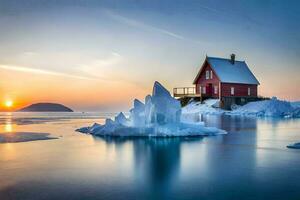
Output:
(101, 47)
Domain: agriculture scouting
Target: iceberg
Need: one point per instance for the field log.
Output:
(159, 116)
(296, 104)
(120, 119)
(137, 114)
(294, 146)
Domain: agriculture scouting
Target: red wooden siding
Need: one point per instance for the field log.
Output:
(240, 90)
(208, 83)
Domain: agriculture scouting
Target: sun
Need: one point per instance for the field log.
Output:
(8, 103)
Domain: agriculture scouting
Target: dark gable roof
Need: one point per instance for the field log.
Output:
(227, 72)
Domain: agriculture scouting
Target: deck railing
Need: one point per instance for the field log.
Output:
(184, 91)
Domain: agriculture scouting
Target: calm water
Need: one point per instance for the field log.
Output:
(250, 162)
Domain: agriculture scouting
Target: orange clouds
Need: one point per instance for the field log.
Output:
(26, 88)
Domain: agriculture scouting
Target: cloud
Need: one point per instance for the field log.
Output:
(43, 71)
(113, 59)
(101, 66)
(142, 25)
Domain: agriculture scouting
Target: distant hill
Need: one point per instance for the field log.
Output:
(45, 107)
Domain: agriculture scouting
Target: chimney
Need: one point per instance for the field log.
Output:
(232, 58)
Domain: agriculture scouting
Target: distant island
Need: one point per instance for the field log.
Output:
(45, 107)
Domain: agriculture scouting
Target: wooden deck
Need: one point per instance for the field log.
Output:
(185, 92)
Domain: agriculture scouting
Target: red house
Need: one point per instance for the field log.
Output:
(229, 80)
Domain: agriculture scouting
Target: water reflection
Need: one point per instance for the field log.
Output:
(156, 161)
(8, 125)
(249, 160)
(160, 163)
(230, 123)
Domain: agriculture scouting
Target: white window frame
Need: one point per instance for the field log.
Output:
(216, 89)
(232, 90)
(204, 90)
(249, 91)
(207, 74)
(200, 89)
(211, 74)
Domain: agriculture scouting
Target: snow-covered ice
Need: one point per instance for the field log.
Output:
(294, 146)
(266, 108)
(159, 116)
(192, 111)
(209, 106)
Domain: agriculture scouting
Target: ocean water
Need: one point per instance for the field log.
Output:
(250, 162)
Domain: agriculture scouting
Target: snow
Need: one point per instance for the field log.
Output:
(160, 116)
(209, 106)
(294, 146)
(266, 108)
(227, 72)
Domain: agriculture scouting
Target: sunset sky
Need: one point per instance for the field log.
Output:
(100, 55)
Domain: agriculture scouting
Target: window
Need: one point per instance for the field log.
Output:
(216, 89)
(211, 74)
(200, 89)
(232, 90)
(249, 91)
(207, 74)
(204, 90)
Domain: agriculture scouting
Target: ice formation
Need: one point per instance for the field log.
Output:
(266, 108)
(294, 146)
(296, 104)
(14, 137)
(209, 106)
(160, 115)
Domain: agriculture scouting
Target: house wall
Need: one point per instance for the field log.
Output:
(203, 82)
(240, 90)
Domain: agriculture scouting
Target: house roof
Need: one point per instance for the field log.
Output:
(227, 72)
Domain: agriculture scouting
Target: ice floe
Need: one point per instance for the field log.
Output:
(294, 146)
(14, 137)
